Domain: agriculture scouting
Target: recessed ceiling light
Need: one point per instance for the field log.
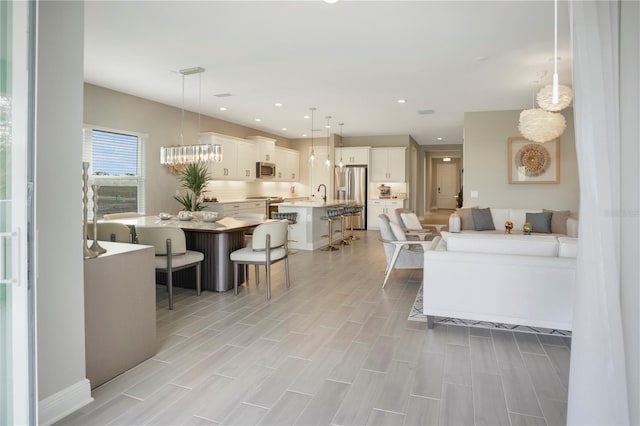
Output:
(307, 116)
(223, 108)
(278, 104)
(304, 135)
(284, 129)
(402, 101)
(327, 126)
(257, 119)
(439, 139)
(446, 159)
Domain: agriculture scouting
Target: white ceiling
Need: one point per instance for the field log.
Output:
(352, 60)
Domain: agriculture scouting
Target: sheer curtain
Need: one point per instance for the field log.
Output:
(597, 385)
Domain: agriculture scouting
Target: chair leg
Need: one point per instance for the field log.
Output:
(198, 279)
(235, 278)
(257, 275)
(394, 258)
(170, 273)
(246, 273)
(286, 271)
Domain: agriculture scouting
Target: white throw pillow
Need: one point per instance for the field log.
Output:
(499, 216)
(398, 232)
(411, 221)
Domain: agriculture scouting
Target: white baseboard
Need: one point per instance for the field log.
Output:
(64, 402)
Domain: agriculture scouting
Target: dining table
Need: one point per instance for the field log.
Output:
(216, 240)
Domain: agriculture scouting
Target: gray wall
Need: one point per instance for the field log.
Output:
(59, 281)
(486, 167)
(162, 123)
(630, 198)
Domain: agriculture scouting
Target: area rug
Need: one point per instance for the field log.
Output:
(417, 315)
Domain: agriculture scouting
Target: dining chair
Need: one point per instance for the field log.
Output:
(268, 246)
(109, 231)
(125, 215)
(247, 237)
(400, 252)
(411, 225)
(171, 253)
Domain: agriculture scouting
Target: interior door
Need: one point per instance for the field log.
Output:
(446, 185)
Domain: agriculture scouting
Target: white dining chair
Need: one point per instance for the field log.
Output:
(110, 231)
(171, 253)
(268, 246)
(400, 252)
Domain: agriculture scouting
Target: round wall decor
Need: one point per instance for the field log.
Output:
(534, 158)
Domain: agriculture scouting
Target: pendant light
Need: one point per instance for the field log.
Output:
(185, 154)
(341, 163)
(539, 125)
(328, 126)
(312, 157)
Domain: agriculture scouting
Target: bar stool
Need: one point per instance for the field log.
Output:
(355, 211)
(333, 214)
(292, 218)
(346, 213)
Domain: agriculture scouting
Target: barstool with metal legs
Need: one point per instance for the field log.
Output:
(346, 213)
(355, 211)
(292, 217)
(333, 214)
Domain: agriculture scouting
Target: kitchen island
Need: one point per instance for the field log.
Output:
(310, 230)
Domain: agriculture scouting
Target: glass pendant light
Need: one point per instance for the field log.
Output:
(312, 156)
(341, 163)
(327, 162)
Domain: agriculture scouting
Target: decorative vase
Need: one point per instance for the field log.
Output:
(454, 222)
(95, 247)
(87, 252)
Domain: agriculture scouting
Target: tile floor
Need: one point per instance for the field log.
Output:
(334, 349)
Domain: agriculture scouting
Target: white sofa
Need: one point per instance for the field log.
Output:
(514, 279)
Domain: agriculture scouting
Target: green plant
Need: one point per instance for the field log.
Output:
(194, 179)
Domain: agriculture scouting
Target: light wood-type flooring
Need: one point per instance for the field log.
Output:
(333, 349)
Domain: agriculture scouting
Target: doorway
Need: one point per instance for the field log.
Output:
(446, 185)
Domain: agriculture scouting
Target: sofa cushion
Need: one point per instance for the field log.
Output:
(482, 220)
(567, 247)
(527, 245)
(466, 219)
(541, 222)
(411, 221)
(519, 217)
(500, 217)
(559, 220)
(398, 233)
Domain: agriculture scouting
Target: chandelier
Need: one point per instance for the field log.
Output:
(185, 154)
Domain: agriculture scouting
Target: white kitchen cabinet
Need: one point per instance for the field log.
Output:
(376, 207)
(287, 164)
(388, 164)
(265, 148)
(353, 155)
(238, 157)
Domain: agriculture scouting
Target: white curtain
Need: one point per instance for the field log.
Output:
(597, 385)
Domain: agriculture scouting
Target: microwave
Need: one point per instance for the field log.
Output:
(265, 170)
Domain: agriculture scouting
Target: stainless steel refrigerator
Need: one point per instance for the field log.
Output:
(351, 184)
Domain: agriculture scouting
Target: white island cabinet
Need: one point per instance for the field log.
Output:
(310, 230)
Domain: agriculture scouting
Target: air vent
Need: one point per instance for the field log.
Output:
(222, 95)
(426, 111)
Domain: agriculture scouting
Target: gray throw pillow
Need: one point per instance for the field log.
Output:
(482, 220)
(559, 220)
(466, 219)
(541, 222)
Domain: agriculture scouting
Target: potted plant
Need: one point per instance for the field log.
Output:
(194, 179)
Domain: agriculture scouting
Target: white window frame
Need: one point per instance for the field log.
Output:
(138, 181)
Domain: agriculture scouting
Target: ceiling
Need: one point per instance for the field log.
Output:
(352, 60)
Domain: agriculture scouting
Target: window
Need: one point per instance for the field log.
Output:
(116, 166)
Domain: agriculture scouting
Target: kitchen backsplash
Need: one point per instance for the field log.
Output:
(233, 190)
(398, 190)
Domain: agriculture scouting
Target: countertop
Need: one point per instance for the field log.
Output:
(226, 224)
(315, 204)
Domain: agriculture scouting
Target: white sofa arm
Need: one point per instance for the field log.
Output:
(572, 227)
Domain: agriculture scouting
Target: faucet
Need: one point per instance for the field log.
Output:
(324, 197)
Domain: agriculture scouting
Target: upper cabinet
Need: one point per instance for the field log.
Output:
(287, 164)
(238, 157)
(353, 155)
(388, 164)
(266, 148)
